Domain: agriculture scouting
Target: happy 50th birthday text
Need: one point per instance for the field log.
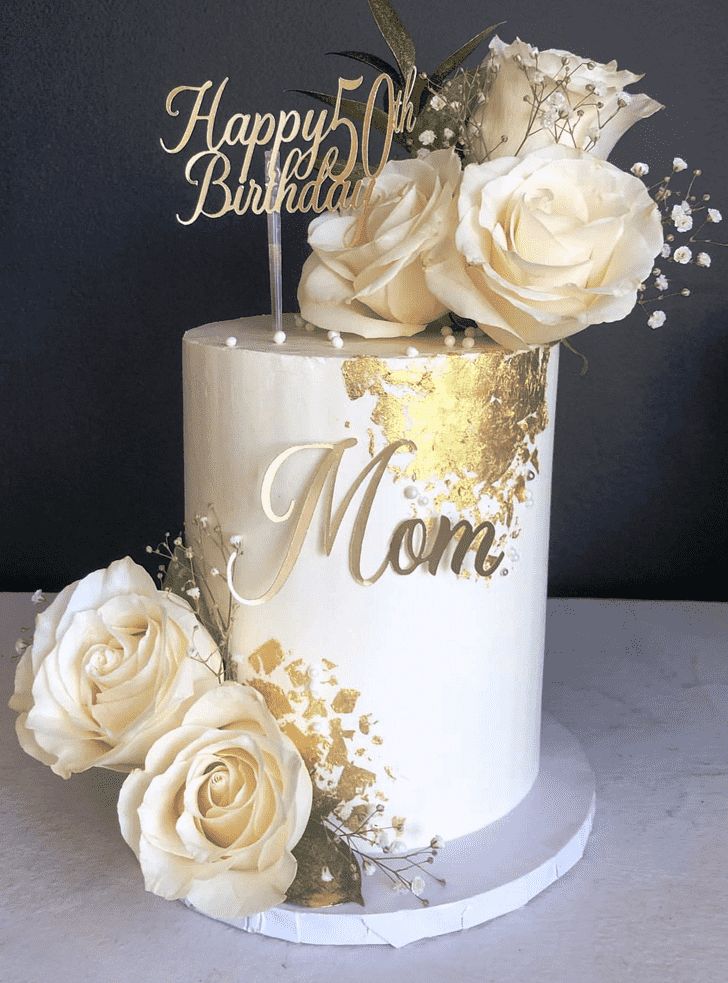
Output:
(223, 188)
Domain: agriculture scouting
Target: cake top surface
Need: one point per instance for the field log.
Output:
(256, 334)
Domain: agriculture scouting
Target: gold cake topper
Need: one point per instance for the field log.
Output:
(225, 183)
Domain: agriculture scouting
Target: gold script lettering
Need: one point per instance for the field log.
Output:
(246, 133)
(324, 480)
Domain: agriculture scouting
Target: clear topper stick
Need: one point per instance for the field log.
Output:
(275, 269)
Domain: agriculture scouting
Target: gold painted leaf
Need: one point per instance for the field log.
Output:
(353, 109)
(317, 851)
(394, 33)
(374, 61)
(448, 66)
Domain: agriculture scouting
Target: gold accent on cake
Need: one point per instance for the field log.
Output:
(345, 700)
(474, 420)
(321, 718)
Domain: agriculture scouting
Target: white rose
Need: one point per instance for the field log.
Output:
(546, 245)
(109, 671)
(521, 75)
(375, 286)
(220, 804)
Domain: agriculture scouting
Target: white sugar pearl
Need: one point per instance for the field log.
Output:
(423, 501)
(231, 342)
(279, 337)
(468, 342)
(411, 352)
(337, 342)
(332, 334)
(410, 492)
(449, 341)
(470, 332)
(445, 331)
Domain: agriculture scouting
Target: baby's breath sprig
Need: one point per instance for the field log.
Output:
(405, 870)
(686, 216)
(556, 103)
(187, 571)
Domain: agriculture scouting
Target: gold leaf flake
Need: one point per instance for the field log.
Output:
(266, 658)
(275, 698)
(345, 701)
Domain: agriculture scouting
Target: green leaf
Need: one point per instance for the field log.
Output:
(354, 110)
(448, 66)
(393, 31)
(374, 61)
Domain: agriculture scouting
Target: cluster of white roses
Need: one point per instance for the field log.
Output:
(536, 239)
(123, 676)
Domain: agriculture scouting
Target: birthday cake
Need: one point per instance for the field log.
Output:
(415, 606)
(329, 702)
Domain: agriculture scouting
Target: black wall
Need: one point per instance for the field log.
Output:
(99, 281)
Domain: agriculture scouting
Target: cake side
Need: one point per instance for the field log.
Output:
(421, 690)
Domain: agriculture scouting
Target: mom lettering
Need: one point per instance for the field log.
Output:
(413, 543)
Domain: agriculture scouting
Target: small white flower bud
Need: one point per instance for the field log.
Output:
(678, 164)
(714, 215)
(639, 169)
(656, 319)
(417, 886)
(703, 259)
(682, 255)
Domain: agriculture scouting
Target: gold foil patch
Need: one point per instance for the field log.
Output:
(335, 740)
(474, 420)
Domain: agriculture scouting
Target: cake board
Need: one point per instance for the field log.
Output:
(488, 873)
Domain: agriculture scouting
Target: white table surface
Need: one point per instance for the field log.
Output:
(645, 687)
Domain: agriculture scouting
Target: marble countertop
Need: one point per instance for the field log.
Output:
(644, 685)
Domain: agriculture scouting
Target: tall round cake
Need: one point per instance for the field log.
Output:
(390, 509)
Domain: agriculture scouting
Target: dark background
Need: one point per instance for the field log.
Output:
(99, 281)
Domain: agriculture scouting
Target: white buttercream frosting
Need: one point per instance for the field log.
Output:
(447, 669)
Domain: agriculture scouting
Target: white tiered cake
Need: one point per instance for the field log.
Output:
(421, 690)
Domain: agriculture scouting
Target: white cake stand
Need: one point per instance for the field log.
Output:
(488, 873)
